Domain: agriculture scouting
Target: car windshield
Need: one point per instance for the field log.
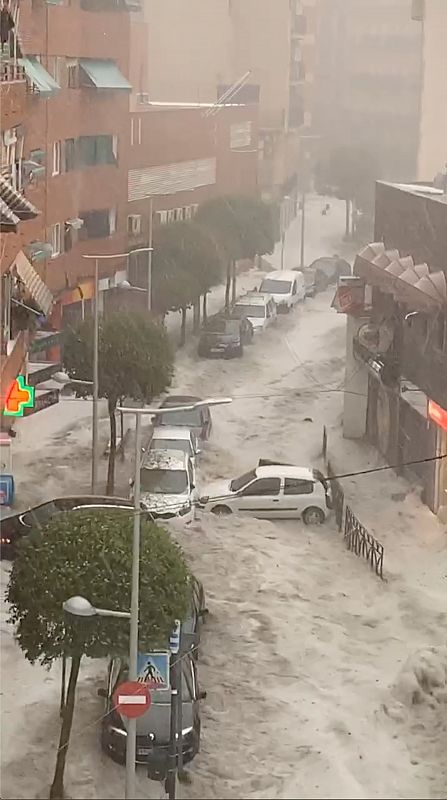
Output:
(164, 481)
(187, 419)
(172, 444)
(229, 326)
(250, 311)
(238, 483)
(40, 516)
(276, 287)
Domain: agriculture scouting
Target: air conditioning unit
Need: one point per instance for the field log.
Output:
(9, 136)
(134, 224)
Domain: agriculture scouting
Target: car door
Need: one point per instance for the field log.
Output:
(261, 498)
(296, 497)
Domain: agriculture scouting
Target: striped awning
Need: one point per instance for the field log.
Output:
(16, 202)
(35, 285)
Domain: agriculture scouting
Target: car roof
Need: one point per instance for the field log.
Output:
(179, 400)
(281, 275)
(280, 471)
(165, 459)
(171, 432)
(254, 299)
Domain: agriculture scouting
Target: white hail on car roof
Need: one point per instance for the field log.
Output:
(281, 275)
(254, 299)
(279, 471)
(165, 459)
(171, 432)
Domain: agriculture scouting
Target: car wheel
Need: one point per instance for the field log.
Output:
(221, 511)
(313, 516)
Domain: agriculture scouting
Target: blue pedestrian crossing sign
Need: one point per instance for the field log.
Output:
(153, 670)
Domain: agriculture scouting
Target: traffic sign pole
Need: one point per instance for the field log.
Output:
(174, 666)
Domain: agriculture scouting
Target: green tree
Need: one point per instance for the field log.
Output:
(186, 265)
(241, 227)
(350, 174)
(90, 554)
(135, 360)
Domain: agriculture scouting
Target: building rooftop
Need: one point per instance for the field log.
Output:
(420, 189)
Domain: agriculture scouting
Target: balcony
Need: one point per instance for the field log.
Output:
(12, 93)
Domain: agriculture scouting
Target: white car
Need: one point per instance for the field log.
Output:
(272, 491)
(168, 485)
(258, 307)
(167, 437)
(286, 287)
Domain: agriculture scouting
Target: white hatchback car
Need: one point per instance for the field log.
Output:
(272, 491)
(258, 307)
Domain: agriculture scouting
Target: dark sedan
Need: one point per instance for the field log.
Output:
(224, 336)
(14, 526)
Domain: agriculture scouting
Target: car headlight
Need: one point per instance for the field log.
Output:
(185, 732)
(117, 731)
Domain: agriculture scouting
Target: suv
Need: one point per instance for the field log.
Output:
(224, 335)
(259, 308)
(167, 482)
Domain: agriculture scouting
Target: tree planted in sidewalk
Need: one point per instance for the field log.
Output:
(241, 226)
(135, 361)
(348, 173)
(186, 264)
(89, 553)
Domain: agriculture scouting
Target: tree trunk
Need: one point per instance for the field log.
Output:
(57, 787)
(196, 316)
(347, 215)
(112, 453)
(183, 327)
(227, 287)
(204, 308)
(233, 288)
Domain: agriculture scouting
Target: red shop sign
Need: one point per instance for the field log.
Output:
(437, 414)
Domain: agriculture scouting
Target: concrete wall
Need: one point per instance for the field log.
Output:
(433, 128)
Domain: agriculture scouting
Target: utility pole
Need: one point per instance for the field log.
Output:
(149, 255)
(303, 228)
(95, 382)
(174, 668)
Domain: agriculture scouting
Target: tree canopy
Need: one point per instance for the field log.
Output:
(89, 553)
(240, 225)
(348, 173)
(186, 264)
(135, 360)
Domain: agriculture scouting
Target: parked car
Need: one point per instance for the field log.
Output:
(308, 273)
(175, 438)
(153, 728)
(272, 491)
(328, 270)
(15, 526)
(286, 287)
(168, 484)
(225, 336)
(259, 308)
(191, 630)
(198, 420)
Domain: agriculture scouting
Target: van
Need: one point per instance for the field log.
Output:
(168, 484)
(258, 307)
(287, 288)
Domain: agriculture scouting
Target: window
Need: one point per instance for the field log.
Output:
(57, 71)
(56, 239)
(56, 158)
(132, 131)
(135, 130)
(112, 221)
(263, 487)
(94, 150)
(97, 224)
(72, 74)
(295, 486)
(70, 155)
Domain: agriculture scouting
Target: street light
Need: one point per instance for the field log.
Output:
(81, 607)
(134, 601)
(65, 380)
(96, 259)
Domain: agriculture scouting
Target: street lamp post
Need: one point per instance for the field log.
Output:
(95, 433)
(134, 601)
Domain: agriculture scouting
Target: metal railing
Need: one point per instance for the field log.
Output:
(11, 71)
(362, 543)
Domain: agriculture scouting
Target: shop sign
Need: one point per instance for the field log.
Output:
(437, 414)
(42, 401)
(349, 296)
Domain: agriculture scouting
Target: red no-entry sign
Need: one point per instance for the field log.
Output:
(132, 699)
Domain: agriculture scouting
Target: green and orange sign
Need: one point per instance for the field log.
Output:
(18, 397)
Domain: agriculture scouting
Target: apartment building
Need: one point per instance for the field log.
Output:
(432, 153)
(203, 47)
(368, 76)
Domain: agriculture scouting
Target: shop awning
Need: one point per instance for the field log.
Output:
(104, 74)
(35, 285)
(18, 204)
(42, 81)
